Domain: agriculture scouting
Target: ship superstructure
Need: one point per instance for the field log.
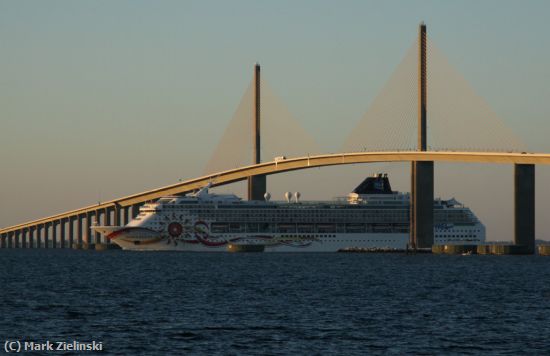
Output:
(372, 216)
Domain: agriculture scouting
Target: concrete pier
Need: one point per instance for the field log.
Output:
(257, 185)
(125, 212)
(31, 238)
(62, 227)
(524, 207)
(422, 200)
(98, 215)
(87, 235)
(16, 239)
(116, 215)
(70, 221)
(107, 222)
(24, 238)
(3, 241)
(80, 236)
(54, 233)
(38, 236)
(46, 235)
(135, 210)
(10, 239)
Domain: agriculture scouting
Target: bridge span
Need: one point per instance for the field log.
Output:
(36, 233)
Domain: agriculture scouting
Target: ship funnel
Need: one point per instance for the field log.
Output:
(267, 196)
(297, 197)
(288, 196)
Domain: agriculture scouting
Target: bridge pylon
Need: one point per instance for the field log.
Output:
(422, 172)
(256, 184)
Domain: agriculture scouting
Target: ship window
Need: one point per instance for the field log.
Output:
(286, 227)
(305, 227)
(235, 227)
(321, 228)
(219, 228)
(265, 227)
(355, 228)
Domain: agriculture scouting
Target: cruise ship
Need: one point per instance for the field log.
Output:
(371, 216)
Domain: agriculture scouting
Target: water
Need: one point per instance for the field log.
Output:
(206, 303)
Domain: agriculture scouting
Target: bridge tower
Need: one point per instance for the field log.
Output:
(422, 172)
(524, 207)
(256, 184)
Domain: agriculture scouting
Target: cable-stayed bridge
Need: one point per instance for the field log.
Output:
(394, 129)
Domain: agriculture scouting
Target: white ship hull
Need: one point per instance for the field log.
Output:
(372, 217)
(140, 239)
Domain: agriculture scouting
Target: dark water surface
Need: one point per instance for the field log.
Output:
(220, 303)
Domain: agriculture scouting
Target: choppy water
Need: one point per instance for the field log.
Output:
(203, 303)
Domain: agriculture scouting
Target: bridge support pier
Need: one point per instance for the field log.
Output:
(71, 232)
(16, 239)
(10, 240)
(2, 241)
(46, 235)
(87, 239)
(125, 212)
(31, 237)
(135, 210)
(54, 233)
(422, 200)
(256, 187)
(97, 235)
(38, 236)
(107, 222)
(116, 215)
(62, 228)
(80, 237)
(524, 206)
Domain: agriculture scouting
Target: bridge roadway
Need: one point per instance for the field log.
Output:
(274, 167)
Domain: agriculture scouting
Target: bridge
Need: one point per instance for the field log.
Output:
(111, 211)
(73, 227)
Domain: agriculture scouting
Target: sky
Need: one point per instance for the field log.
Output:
(100, 99)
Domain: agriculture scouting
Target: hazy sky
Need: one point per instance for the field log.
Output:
(100, 99)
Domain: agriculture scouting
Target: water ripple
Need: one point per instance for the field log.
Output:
(278, 304)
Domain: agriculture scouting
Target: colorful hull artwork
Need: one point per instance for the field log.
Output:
(178, 235)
